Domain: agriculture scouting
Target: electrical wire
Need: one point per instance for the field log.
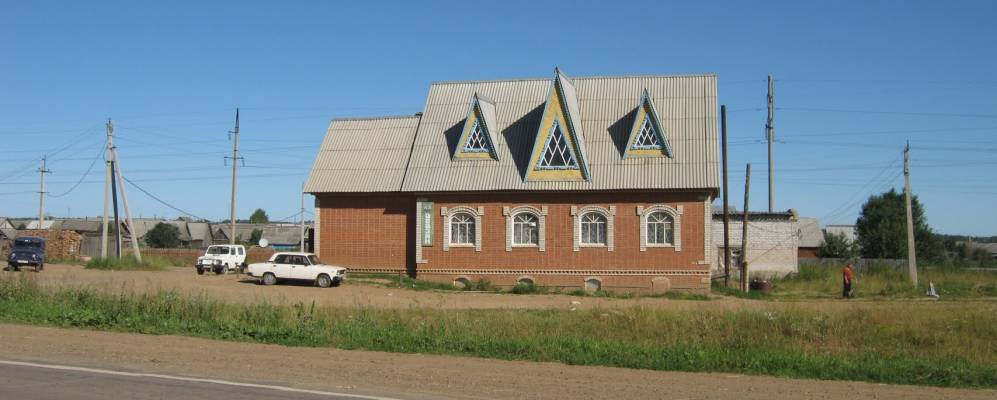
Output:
(90, 168)
(161, 201)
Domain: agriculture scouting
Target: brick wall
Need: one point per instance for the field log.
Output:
(378, 232)
(365, 231)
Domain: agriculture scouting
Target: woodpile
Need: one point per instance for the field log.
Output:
(59, 245)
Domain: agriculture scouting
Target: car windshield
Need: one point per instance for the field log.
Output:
(314, 260)
(215, 250)
(26, 244)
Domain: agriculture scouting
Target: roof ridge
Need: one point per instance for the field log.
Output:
(575, 77)
(375, 117)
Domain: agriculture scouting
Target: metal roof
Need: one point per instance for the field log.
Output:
(810, 233)
(370, 155)
(365, 155)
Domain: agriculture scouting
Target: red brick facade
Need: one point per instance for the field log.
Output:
(378, 232)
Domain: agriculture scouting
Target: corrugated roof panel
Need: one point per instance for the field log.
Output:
(363, 155)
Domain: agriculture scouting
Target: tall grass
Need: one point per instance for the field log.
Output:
(885, 281)
(149, 263)
(892, 344)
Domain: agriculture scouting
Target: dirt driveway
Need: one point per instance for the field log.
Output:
(236, 288)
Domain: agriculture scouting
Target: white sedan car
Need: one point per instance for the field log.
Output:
(297, 267)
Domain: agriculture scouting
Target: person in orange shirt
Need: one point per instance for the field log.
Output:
(846, 279)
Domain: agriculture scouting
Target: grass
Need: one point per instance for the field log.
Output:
(886, 282)
(149, 263)
(947, 345)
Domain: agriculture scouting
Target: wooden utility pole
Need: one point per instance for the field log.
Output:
(726, 210)
(41, 192)
(303, 217)
(235, 159)
(744, 231)
(911, 258)
(108, 178)
(770, 136)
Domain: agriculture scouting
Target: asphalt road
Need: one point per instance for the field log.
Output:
(29, 381)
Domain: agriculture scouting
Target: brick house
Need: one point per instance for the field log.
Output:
(594, 182)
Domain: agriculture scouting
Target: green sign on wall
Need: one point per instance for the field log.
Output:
(427, 223)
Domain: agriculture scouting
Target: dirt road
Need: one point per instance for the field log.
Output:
(413, 376)
(237, 288)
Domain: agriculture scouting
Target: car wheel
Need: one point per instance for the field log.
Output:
(200, 271)
(219, 270)
(269, 279)
(40, 267)
(323, 281)
(242, 268)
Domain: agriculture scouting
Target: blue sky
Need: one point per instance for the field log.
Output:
(853, 82)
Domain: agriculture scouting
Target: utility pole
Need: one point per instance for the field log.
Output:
(128, 212)
(41, 192)
(770, 136)
(726, 210)
(235, 159)
(108, 178)
(303, 217)
(911, 258)
(744, 231)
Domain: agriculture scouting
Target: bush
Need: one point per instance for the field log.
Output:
(163, 236)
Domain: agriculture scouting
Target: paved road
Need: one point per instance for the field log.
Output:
(30, 381)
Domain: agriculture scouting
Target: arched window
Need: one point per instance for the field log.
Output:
(593, 226)
(660, 228)
(462, 229)
(525, 229)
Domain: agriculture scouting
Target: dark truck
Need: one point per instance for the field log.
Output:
(27, 251)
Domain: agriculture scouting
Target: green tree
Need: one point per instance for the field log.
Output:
(255, 236)
(882, 228)
(163, 236)
(259, 217)
(836, 245)
(22, 227)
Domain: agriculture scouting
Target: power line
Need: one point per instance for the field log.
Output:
(920, 114)
(161, 201)
(90, 168)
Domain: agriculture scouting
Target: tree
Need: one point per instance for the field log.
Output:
(22, 227)
(255, 236)
(882, 228)
(259, 217)
(163, 236)
(836, 245)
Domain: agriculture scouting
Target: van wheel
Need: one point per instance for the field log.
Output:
(323, 281)
(40, 267)
(269, 279)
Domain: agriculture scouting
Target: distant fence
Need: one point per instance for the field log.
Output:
(859, 264)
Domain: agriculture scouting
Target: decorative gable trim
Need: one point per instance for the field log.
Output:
(477, 139)
(647, 135)
(560, 117)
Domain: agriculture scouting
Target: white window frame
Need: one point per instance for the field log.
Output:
(510, 223)
(607, 212)
(675, 213)
(449, 213)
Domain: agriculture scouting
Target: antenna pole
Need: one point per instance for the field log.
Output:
(744, 231)
(726, 210)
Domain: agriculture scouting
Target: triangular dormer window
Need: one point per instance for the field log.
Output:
(557, 154)
(647, 137)
(476, 141)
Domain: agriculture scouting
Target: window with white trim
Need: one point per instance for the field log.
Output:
(525, 229)
(557, 154)
(593, 229)
(462, 229)
(660, 228)
(476, 141)
(647, 138)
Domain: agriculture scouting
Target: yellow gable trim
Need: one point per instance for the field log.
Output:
(642, 112)
(554, 113)
(460, 153)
